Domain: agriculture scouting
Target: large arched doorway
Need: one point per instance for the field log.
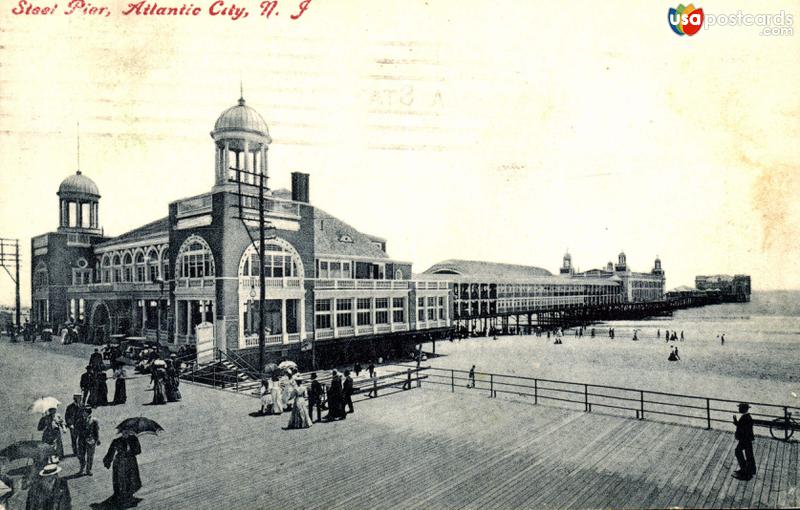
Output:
(100, 323)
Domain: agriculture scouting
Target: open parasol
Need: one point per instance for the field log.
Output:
(287, 364)
(140, 425)
(28, 450)
(44, 404)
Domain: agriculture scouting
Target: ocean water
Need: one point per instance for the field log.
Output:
(760, 361)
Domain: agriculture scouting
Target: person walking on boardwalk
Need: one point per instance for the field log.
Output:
(125, 473)
(120, 390)
(266, 398)
(347, 392)
(87, 382)
(72, 418)
(371, 369)
(335, 399)
(49, 492)
(158, 376)
(315, 398)
(96, 360)
(722, 339)
(88, 440)
(681, 335)
(52, 425)
(276, 394)
(357, 368)
(744, 447)
(299, 418)
(471, 376)
(101, 387)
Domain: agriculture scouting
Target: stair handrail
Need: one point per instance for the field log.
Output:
(238, 361)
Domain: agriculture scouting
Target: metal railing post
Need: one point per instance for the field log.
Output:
(452, 381)
(641, 404)
(536, 391)
(491, 385)
(586, 397)
(708, 414)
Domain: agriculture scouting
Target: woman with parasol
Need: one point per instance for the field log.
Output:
(122, 454)
(275, 394)
(51, 424)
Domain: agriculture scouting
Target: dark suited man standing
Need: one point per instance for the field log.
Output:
(744, 448)
(315, 398)
(87, 383)
(88, 440)
(348, 391)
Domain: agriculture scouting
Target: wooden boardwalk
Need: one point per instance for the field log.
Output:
(423, 448)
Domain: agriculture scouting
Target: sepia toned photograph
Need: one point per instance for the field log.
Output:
(371, 254)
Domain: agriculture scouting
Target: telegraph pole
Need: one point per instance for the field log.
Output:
(261, 278)
(11, 259)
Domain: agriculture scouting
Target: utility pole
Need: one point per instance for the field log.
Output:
(261, 278)
(11, 259)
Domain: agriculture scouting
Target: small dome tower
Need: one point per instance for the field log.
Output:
(622, 263)
(241, 138)
(79, 201)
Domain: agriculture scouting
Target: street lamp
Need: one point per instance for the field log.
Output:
(160, 283)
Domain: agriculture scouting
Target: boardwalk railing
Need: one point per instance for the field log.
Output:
(695, 410)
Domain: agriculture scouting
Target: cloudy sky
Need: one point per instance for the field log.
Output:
(502, 131)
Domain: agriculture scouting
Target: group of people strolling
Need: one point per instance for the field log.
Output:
(288, 392)
(93, 383)
(165, 378)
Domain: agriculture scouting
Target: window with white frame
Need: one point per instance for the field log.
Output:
(141, 269)
(381, 310)
(441, 308)
(195, 259)
(398, 310)
(335, 269)
(363, 312)
(421, 309)
(279, 262)
(152, 265)
(344, 313)
(40, 276)
(322, 314)
(127, 268)
(431, 308)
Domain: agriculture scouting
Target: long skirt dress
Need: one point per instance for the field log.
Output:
(125, 473)
(120, 390)
(300, 419)
(159, 396)
(169, 388)
(277, 397)
(102, 389)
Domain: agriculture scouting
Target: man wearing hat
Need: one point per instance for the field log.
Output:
(315, 398)
(49, 491)
(744, 447)
(72, 417)
(87, 382)
(88, 440)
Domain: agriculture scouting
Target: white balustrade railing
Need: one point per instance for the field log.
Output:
(270, 283)
(350, 284)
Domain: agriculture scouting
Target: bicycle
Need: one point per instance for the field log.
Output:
(783, 428)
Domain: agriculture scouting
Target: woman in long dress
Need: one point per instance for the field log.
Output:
(120, 391)
(102, 388)
(52, 426)
(170, 383)
(159, 397)
(125, 474)
(276, 394)
(300, 418)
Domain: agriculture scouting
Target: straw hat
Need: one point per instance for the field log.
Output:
(50, 470)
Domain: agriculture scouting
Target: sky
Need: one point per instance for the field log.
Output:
(500, 131)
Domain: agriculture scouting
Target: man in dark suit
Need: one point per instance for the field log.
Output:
(73, 417)
(87, 383)
(315, 398)
(348, 391)
(744, 447)
(335, 398)
(88, 440)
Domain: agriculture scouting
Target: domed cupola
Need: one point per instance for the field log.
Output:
(242, 138)
(79, 200)
(566, 266)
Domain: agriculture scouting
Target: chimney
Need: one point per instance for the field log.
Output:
(300, 187)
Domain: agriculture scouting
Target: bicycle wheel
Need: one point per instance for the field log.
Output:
(781, 428)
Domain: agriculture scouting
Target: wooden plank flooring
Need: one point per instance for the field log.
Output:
(424, 448)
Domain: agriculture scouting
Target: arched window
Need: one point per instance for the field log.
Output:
(281, 260)
(141, 269)
(117, 263)
(195, 259)
(40, 276)
(127, 268)
(105, 269)
(152, 265)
